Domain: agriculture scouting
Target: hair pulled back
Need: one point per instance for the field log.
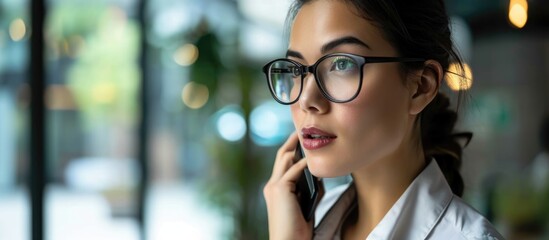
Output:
(420, 28)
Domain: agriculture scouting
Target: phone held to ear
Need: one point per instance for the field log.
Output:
(307, 188)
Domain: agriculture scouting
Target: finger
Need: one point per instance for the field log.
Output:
(284, 157)
(282, 163)
(293, 174)
(290, 143)
(312, 222)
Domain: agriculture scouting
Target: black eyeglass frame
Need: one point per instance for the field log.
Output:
(304, 70)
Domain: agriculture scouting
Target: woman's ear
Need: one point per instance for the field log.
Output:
(425, 86)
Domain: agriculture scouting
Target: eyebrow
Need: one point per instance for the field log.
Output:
(340, 41)
(292, 53)
(331, 45)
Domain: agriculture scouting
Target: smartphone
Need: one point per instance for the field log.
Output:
(307, 188)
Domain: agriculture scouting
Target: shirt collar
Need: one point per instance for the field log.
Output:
(418, 210)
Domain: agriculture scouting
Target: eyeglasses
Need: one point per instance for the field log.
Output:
(338, 76)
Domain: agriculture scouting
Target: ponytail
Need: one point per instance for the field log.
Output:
(441, 143)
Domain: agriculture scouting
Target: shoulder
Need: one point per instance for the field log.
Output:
(464, 222)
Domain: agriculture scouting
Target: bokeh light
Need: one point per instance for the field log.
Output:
(195, 95)
(186, 55)
(458, 79)
(270, 124)
(518, 12)
(59, 97)
(231, 125)
(104, 93)
(17, 29)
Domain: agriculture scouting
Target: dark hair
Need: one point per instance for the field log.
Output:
(420, 28)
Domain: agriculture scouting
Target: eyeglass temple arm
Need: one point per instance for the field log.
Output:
(281, 70)
(392, 59)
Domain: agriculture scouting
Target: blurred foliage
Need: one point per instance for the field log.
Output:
(103, 43)
(234, 186)
(522, 207)
(68, 19)
(233, 183)
(208, 68)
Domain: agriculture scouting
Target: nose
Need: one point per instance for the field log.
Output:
(311, 99)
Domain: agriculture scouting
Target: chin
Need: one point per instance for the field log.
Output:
(323, 169)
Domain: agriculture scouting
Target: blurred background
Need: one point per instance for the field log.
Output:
(151, 119)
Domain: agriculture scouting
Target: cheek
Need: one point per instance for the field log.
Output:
(383, 96)
(379, 114)
(296, 114)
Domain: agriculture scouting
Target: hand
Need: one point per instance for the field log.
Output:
(284, 214)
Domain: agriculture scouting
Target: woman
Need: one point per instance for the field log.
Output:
(362, 79)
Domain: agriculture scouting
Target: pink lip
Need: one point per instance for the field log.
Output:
(311, 143)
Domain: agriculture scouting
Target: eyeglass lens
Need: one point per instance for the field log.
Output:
(338, 76)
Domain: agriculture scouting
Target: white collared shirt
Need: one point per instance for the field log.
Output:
(426, 210)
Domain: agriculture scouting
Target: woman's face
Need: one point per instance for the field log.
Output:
(367, 129)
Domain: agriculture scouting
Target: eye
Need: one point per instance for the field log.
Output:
(296, 71)
(342, 64)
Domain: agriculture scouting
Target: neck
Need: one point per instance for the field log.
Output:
(380, 184)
